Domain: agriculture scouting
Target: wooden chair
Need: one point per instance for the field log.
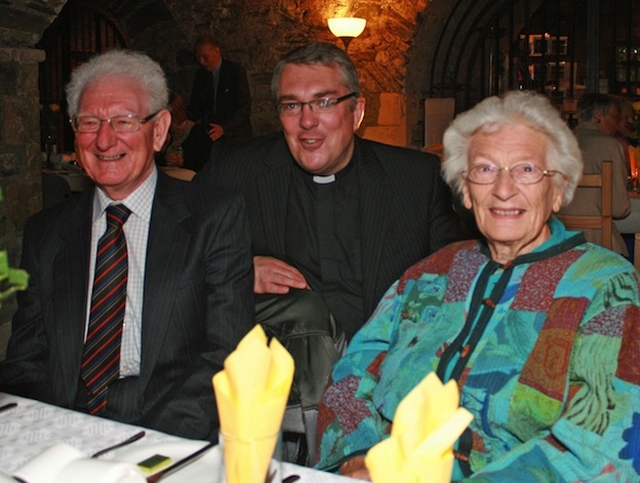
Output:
(603, 221)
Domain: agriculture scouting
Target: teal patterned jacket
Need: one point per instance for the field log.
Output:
(546, 353)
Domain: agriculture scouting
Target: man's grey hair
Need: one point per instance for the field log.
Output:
(523, 108)
(134, 66)
(319, 54)
(593, 102)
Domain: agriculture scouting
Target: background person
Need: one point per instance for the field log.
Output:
(538, 327)
(188, 145)
(187, 270)
(220, 97)
(627, 135)
(599, 115)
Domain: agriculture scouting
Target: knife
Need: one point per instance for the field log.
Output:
(180, 464)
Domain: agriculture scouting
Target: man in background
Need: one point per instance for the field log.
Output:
(220, 97)
(599, 116)
(139, 288)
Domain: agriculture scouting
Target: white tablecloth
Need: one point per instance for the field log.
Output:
(32, 427)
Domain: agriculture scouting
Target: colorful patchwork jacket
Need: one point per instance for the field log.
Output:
(546, 352)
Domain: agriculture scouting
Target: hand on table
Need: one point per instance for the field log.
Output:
(355, 468)
(215, 131)
(275, 276)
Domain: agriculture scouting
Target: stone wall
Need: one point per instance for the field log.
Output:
(256, 33)
(21, 26)
(20, 161)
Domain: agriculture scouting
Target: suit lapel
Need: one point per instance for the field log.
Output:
(69, 298)
(166, 251)
(273, 191)
(374, 208)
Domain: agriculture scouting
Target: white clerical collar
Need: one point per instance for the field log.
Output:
(324, 179)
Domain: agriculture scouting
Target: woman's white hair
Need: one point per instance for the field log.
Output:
(136, 66)
(525, 108)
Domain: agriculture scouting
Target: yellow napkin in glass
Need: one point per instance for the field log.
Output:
(427, 423)
(251, 393)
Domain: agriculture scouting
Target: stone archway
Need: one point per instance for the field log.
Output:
(446, 48)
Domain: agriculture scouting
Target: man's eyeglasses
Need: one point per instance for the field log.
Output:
(126, 123)
(523, 173)
(320, 106)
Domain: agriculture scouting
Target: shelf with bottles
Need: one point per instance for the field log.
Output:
(627, 74)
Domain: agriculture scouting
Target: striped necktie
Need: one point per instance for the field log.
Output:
(101, 356)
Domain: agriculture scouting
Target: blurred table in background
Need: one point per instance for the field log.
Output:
(59, 184)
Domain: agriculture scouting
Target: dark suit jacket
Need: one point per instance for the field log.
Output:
(198, 304)
(233, 100)
(406, 209)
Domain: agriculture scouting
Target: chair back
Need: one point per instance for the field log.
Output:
(603, 221)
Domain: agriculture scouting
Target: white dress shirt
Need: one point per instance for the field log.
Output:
(136, 232)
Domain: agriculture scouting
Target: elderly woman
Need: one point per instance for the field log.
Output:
(539, 328)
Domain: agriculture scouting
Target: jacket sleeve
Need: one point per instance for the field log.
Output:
(348, 420)
(241, 100)
(621, 205)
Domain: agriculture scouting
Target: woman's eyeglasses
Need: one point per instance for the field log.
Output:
(523, 173)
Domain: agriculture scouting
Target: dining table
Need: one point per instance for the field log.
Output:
(29, 427)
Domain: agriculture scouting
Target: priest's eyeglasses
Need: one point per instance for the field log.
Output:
(522, 173)
(320, 106)
(125, 123)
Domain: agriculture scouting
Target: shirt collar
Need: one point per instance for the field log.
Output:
(139, 202)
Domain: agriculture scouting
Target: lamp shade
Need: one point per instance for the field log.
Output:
(347, 26)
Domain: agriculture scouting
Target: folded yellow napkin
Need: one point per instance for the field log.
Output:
(252, 392)
(427, 423)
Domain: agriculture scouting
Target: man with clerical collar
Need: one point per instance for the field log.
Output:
(335, 219)
(332, 214)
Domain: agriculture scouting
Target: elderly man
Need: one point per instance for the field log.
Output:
(139, 288)
(334, 219)
(599, 116)
(220, 97)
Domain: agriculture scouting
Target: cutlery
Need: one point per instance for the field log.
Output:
(179, 464)
(132, 439)
(8, 406)
(291, 479)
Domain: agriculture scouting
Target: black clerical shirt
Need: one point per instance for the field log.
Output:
(323, 241)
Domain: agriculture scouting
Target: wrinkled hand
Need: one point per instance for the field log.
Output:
(355, 468)
(275, 276)
(215, 131)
